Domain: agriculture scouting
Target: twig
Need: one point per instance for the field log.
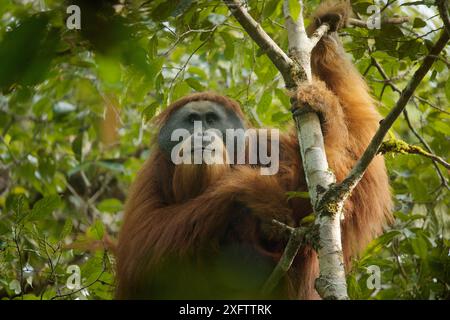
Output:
(394, 20)
(86, 204)
(89, 285)
(397, 258)
(425, 101)
(290, 252)
(388, 3)
(396, 89)
(189, 58)
(262, 39)
(181, 38)
(400, 146)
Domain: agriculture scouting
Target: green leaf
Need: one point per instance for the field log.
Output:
(270, 8)
(111, 165)
(153, 47)
(420, 246)
(67, 229)
(281, 117)
(96, 230)
(264, 102)
(294, 9)
(442, 127)
(109, 69)
(229, 45)
(283, 97)
(180, 90)
(419, 23)
(45, 206)
(410, 49)
(297, 194)
(198, 72)
(150, 111)
(361, 7)
(17, 203)
(110, 205)
(195, 84)
(77, 147)
(310, 218)
(155, 67)
(377, 244)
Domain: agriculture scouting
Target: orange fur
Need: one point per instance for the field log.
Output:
(166, 220)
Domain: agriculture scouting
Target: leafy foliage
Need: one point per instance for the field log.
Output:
(74, 121)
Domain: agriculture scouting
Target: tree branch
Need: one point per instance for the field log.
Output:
(443, 12)
(281, 61)
(400, 146)
(292, 247)
(394, 20)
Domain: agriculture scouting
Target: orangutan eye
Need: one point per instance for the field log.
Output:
(211, 117)
(192, 117)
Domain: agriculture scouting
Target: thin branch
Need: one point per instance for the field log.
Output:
(262, 39)
(425, 101)
(319, 33)
(396, 89)
(290, 252)
(394, 20)
(397, 258)
(388, 3)
(283, 226)
(181, 38)
(400, 146)
(187, 62)
(97, 279)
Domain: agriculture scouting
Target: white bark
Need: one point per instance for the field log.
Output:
(331, 283)
(296, 69)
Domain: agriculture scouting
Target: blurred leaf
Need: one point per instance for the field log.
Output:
(264, 102)
(110, 205)
(45, 206)
(419, 23)
(294, 9)
(77, 146)
(96, 230)
(297, 194)
(420, 246)
(27, 51)
(194, 84)
(67, 229)
(447, 90)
